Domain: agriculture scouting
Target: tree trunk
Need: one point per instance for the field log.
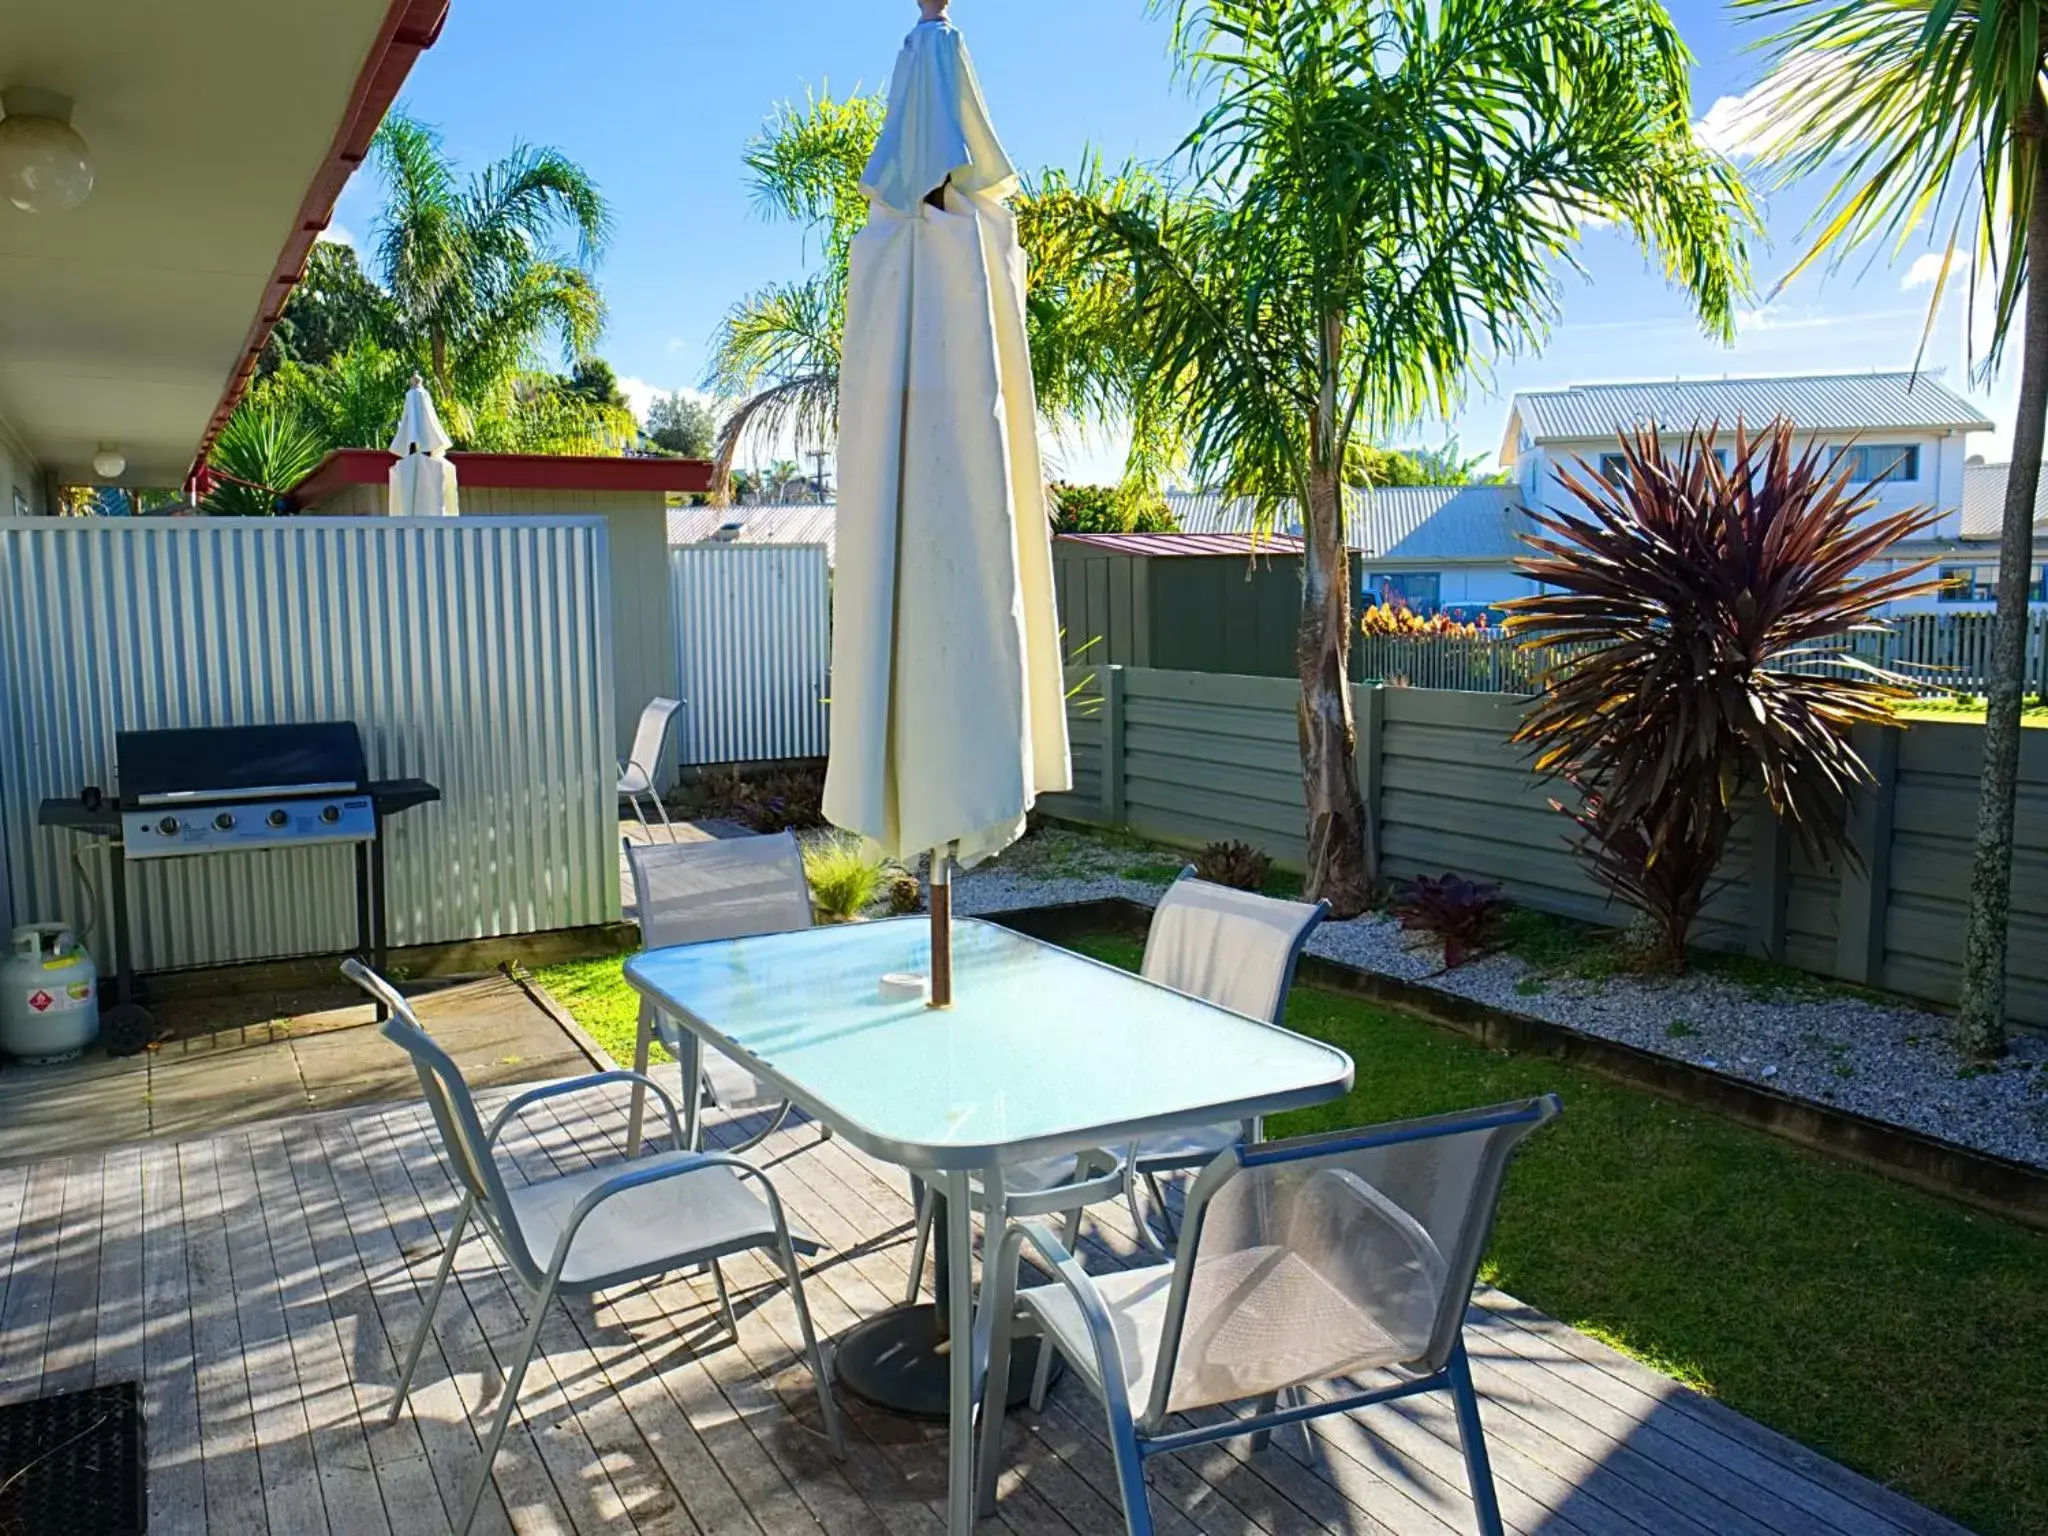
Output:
(1980, 1013)
(1340, 867)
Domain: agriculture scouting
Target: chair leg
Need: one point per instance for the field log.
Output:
(1130, 1479)
(781, 1118)
(503, 1417)
(922, 1244)
(1158, 1192)
(732, 1323)
(998, 1308)
(1286, 1397)
(1485, 1504)
(834, 1434)
(1041, 1378)
(1146, 1235)
(419, 1339)
(636, 1116)
(661, 809)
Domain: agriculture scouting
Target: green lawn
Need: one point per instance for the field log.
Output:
(1896, 1333)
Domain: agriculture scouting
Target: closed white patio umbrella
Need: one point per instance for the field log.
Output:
(948, 708)
(423, 480)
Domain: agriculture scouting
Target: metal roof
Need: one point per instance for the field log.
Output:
(1433, 522)
(1984, 500)
(813, 523)
(1819, 402)
(1187, 543)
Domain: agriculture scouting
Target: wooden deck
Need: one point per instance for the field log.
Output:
(260, 1283)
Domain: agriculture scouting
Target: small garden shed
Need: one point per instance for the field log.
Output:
(1185, 602)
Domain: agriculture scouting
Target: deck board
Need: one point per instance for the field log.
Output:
(264, 1283)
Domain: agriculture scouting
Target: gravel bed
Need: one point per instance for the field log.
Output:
(1883, 1058)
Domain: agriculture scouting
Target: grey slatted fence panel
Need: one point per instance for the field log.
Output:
(1934, 822)
(472, 652)
(754, 650)
(1209, 757)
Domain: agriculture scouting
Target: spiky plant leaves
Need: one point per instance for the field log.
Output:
(1695, 612)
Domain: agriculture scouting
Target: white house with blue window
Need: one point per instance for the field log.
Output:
(1454, 548)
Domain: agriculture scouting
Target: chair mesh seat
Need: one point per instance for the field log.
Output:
(1271, 1318)
(712, 1211)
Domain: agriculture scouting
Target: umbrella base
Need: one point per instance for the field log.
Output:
(901, 1361)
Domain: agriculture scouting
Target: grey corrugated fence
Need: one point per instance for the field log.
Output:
(754, 648)
(1938, 653)
(1193, 757)
(472, 652)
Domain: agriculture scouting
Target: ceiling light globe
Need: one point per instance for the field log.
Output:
(108, 464)
(45, 166)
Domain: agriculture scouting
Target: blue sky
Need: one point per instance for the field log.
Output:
(657, 97)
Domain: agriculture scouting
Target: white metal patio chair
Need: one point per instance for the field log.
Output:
(1301, 1262)
(590, 1231)
(1236, 949)
(722, 888)
(640, 774)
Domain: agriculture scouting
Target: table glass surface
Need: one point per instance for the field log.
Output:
(1044, 1050)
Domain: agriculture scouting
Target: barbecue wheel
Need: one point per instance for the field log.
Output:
(126, 1029)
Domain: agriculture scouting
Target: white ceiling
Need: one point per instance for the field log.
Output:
(122, 320)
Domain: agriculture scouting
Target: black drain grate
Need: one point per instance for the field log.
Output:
(73, 1464)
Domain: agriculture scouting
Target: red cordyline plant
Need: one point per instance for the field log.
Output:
(1692, 619)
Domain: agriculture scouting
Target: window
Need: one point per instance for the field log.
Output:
(1614, 466)
(1979, 584)
(1418, 591)
(1877, 462)
(20, 503)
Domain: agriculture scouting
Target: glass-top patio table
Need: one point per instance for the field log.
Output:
(1044, 1051)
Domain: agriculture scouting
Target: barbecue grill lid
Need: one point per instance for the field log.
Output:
(216, 759)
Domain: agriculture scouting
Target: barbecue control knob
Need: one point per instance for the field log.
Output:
(225, 821)
(330, 814)
(279, 817)
(168, 826)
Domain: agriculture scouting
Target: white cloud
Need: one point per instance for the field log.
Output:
(1926, 270)
(1764, 118)
(340, 234)
(640, 394)
(1779, 317)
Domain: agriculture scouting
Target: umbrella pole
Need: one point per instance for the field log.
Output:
(942, 929)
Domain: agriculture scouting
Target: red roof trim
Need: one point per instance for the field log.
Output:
(509, 471)
(410, 28)
(1187, 543)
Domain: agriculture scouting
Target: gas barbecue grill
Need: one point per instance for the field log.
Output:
(235, 789)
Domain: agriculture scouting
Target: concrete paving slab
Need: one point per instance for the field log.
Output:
(255, 1064)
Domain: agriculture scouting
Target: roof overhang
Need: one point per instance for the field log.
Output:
(346, 467)
(222, 131)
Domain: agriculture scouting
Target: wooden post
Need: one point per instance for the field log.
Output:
(942, 929)
(1113, 745)
(1866, 890)
(1371, 707)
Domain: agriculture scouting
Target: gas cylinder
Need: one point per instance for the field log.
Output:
(49, 994)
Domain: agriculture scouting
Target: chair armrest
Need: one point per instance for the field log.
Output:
(1052, 1255)
(1099, 1175)
(580, 1085)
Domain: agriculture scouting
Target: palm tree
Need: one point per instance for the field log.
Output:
(777, 352)
(1933, 114)
(474, 271)
(1377, 200)
(779, 476)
